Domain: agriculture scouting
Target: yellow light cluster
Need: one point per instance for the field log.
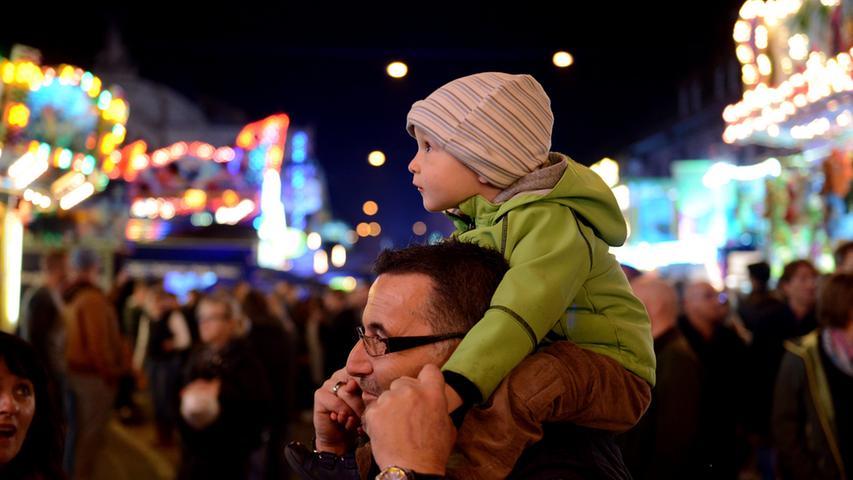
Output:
(763, 106)
(17, 115)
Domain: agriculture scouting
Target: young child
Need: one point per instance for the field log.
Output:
(484, 159)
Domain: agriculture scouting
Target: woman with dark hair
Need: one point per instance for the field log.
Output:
(31, 428)
(812, 419)
(798, 286)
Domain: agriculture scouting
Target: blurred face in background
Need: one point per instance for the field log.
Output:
(17, 408)
(703, 303)
(801, 289)
(215, 323)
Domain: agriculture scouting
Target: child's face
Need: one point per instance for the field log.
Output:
(444, 182)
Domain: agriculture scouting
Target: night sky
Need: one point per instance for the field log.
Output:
(325, 67)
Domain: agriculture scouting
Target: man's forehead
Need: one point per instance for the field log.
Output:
(397, 303)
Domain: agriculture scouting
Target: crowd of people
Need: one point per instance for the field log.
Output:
(227, 372)
(518, 348)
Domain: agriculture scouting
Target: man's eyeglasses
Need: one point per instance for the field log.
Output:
(378, 346)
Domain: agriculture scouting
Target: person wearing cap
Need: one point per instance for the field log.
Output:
(484, 160)
(95, 358)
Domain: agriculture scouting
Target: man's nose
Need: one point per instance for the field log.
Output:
(358, 362)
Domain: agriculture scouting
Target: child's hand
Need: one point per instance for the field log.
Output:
(454, 401)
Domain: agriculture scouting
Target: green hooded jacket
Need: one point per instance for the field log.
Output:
(554, 226)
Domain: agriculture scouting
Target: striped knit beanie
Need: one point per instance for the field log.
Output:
(497, 124)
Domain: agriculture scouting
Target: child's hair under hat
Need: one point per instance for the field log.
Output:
(498, 125)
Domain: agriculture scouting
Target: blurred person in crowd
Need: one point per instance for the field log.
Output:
(189, 310)
(315, 313)
(31, 427)
(798, 287)
(812, 418)
(844, 257)
(422, 302)
(285, 297)
(96, 358)
(271, 344)
(225, 399)
(42, 323)
(663, 444)
(770, 321)
(134, 308)
(338, 331)
(120, 295)
(168, 342)
(723, 356)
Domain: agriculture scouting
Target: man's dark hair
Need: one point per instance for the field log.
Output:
(760, 272)
(464, 278)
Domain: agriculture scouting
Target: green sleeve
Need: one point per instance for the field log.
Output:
(549, 261)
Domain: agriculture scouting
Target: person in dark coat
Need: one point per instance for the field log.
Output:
(225, 400)
(812, 418)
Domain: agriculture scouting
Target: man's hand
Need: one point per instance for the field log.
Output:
(409, 426)
(337, 415)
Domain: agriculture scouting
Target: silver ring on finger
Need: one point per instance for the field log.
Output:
(337, 386)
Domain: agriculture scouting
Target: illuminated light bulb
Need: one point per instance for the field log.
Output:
(562, 59)
(397, 69)
(370, 208)
(178, 150)
(205, 151)
(195, 199)
(750, 74)
(742, 31)
(761, 37)
(230, 198)
(747, 11)
(375, 229)
(419, 228)
(139, 162)
(363, 229)
(314, 241)
(7, 72)
(224, 154)
(744, 54)
(798, 46)
(321, 262)
(764, 67)
(18, 115)
(773, 130)
(376, 158)
(160, 158)
(167, 211)
(339, 256)
(76, 196)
